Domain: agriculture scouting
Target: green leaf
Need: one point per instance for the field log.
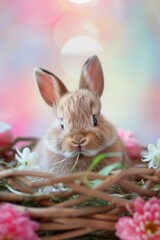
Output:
(100, 157)
(86, 181)
(106, 171)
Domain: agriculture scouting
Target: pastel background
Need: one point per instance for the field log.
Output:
(60, 35)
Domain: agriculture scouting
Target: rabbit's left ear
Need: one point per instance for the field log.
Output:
(50, 86)
(92, 76)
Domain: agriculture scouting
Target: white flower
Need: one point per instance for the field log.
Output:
(153, 156)
(26, 160)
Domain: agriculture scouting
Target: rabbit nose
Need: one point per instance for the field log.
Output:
(79, 139)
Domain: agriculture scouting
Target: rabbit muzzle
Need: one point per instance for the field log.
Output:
(80, 144)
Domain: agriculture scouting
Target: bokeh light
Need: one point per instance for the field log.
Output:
(80, 1)
(156, 9)
(36, 12)
(59, 36)
(79, 6)
(80, 45)
(75, 51)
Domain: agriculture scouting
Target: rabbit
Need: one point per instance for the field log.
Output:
(79, 132)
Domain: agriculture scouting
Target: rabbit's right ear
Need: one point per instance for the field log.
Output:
(92, 76)
(51, 87)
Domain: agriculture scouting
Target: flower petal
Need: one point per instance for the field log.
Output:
(150, 164)
(124, 228)
(33, 156)
(156, 161)
(19, 153)
(146, 159)
(138, 204)
(26, 152)
(18, 158)
(158, 144)
(152, 148)
(21, 167)
(15, 224)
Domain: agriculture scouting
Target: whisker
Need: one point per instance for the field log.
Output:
(59, 162)
(77, 158)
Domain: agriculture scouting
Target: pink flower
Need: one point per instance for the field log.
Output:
(15, 225)
(6, 136)
(144, 224)
(131, 145)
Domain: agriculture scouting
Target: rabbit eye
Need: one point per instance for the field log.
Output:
(61, 123)
(95, 122)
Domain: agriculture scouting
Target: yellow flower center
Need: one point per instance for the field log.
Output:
(25, 163)
(151, 228)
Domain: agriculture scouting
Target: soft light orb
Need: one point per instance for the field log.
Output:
(79, 6)
(80, 1)
(74, 53)
(81, 44)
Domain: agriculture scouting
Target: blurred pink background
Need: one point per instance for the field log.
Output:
(60, 36)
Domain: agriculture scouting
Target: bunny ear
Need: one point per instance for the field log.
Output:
(51, 88)
(92, 76)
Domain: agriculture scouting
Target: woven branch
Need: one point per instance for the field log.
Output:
(73, 208)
